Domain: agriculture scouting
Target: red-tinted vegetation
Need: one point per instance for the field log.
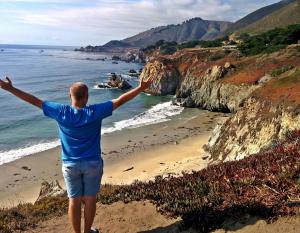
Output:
(249, 70)
(282, 90)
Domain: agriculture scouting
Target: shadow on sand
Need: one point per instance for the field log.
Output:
(232, 224)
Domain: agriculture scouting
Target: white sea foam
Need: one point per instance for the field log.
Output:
(11, 155)
(158, 113)
(96, 87)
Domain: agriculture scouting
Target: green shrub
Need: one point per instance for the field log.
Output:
(168, 48)
(202, 43)
(190, 44)
(154, 46)
(211, 43)
(281, 70)
(227, 52)
(215, 57)
(270, 41)
(244, 36)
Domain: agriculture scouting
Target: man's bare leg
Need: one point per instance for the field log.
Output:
(89, 212)
(75, 213)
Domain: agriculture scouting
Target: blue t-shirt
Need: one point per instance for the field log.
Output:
(79, 129)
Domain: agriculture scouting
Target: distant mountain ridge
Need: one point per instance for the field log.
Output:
(193, 29)
(280, 14)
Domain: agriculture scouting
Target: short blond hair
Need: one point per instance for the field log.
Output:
(79, 91)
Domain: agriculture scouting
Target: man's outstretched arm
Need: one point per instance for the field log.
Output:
(132, 93)
(7, 85)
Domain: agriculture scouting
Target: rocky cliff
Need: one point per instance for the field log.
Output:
(263, 92)
(210, 93)
(167, 77)
(197, 81)
(268, 115)
(257, 125)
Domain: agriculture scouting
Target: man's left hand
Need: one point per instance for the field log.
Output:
(147, 83)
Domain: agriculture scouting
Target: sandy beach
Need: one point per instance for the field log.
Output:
(168, 147)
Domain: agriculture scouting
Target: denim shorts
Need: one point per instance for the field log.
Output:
(82, 178)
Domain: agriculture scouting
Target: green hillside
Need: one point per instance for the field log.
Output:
(256, 16)
(285, 16)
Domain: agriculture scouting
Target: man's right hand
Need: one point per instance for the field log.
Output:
(6, 85)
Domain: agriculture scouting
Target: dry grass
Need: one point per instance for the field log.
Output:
(282, 90)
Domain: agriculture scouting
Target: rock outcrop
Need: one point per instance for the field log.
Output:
(133, 56)
(52, 189)
(116, 81)
(209, 92)
(267, 116)
(166, 78)
(205, 91)
(257, 125)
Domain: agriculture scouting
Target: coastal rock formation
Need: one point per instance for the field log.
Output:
(52, 189)
(133, 56)
(267, 116)
(205, 90)
(116, 81)
(208, 92)
(166, 78)
(261, 92)
(115, 58)
(257, 125)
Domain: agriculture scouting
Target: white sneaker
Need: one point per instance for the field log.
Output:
(94, 230)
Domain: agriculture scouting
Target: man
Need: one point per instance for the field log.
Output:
(80, 134)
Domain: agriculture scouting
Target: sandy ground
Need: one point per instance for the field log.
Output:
(142, 217)
(120, 218)
(168, 147)
(255, 225)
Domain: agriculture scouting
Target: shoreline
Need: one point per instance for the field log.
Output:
(179, 140)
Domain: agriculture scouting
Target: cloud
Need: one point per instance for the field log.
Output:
(117, 19)
(39, 1)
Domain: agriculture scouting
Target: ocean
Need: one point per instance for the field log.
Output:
(48, 72)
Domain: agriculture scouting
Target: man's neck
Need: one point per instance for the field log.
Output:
(78, 105)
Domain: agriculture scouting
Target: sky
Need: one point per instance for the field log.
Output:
(95, 22)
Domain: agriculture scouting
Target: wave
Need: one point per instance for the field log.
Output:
(158, 113)
(11, 155)
(75, 55)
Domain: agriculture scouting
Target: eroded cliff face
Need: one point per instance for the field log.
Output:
(209, 92)
(258, 124)
(166, 77)
(267, 116)
(197, 82)
(264, 97)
